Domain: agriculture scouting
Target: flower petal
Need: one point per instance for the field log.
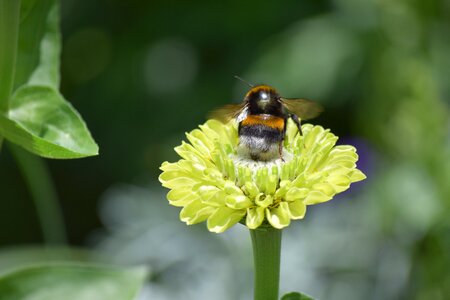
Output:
(238, 202)
(255, 217)
(181, 197)
(279, 217)
(315, 197)
(356, 175)
(223, 218)
(339, 182)
(263, 200)
(285, 186)
(326, 188)
(211, 195)
(196, 212)
(297, 209)
(251, 189)
(296, 194)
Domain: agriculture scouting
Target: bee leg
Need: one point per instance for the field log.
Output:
(280, 150)
(299, 126)
(297, 122)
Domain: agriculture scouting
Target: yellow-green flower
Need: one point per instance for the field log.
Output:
(212, 183)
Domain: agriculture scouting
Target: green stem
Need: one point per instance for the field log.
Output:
(266, 243)
(9, 34)
(40, 184)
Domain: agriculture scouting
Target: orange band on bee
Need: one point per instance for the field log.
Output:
(266, 120)
(260, 88)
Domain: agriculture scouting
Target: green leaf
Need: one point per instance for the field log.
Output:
(47, 71)
(9, 27)
(38, 31)
(296, 296)
(41, 121)
(12, 258)
(39, 118)
(71, 282)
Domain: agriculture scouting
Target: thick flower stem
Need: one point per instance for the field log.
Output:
(266, 243)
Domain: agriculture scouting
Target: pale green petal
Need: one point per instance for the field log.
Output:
(196, 212)
(315, 197)
(177, 183)
(181, 197)
(188, 152)
(251, 189)
(210, 133)
(297, 209)
(173, 174)
(336, 170)
(244, 175)
(211, 195)
(191, 167)
(284, 172)
(344, 148)
(167, 166)
(227, 133)
(182, 170)
(312, 137)
(230, 170)
(262, 175)
(271, 184)
(263, 200)
(195, 137)
(291, 132)
(346, 163)
(300, 181)
(356, 175)
(296, 194)
(279, 217)
(285, 186)
(238, 202)
(326, 188)
(339, 182)
(232, 189)
(223, 218)
(255, 217)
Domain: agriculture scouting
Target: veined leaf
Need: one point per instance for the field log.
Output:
(39, 118)
(71, 282)
(41, 121)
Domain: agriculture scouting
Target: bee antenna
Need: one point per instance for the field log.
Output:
(244, 81)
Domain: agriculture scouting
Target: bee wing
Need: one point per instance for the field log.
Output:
(227, 112)
(304, 109)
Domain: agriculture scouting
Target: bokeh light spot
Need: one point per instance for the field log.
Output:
(171, 65)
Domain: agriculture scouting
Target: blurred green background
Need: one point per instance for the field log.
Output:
(141, 73)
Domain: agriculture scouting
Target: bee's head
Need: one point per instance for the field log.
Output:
(262, 97)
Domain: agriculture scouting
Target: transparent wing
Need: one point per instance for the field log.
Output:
(304, 109)
(227, 112)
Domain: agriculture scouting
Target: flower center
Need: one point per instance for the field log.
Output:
(255, 165)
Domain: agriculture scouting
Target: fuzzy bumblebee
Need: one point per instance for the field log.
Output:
(262, 118)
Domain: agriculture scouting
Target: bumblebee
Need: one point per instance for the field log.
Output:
(262, 118)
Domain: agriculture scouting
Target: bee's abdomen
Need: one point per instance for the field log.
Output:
(264, 120)
(260, 135)
(267, 127)
(261, 132)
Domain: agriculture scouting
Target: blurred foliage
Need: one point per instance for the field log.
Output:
(142, 73)
(72, 282)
